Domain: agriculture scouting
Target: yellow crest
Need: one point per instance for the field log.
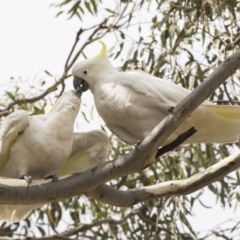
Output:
(103, 51)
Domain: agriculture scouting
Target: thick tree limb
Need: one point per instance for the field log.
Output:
(16, 192)
(130, 197)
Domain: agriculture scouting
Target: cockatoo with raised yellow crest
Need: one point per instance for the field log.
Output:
(45, 146)
(132, 103)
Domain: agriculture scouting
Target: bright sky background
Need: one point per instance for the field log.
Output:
(33, 40)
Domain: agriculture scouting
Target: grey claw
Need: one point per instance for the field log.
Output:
(27, 178)
(54, 177)
(170, 109)
(137, 144)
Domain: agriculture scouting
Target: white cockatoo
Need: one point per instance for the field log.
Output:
(45, 146)
(132, 103)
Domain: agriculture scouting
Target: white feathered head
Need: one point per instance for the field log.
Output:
(92, 71)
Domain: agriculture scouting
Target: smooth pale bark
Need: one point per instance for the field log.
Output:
(186, 186)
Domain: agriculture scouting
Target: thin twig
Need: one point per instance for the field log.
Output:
(80, 31)
(86, 227)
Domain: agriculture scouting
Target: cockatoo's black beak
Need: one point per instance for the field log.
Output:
(80, 83)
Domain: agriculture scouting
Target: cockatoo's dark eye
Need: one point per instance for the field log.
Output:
(85, 72)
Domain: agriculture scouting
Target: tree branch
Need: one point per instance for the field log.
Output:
(5, 112)
(93, 37)
(85, 227)
(130, 197)
(14, 191)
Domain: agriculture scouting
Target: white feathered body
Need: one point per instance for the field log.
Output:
(133, 103)
(42, 148)
(44, 145)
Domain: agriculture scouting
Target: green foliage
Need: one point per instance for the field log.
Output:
(183, 41)
(78, 8)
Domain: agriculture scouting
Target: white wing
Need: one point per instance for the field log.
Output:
(89, 150)
(11, 126)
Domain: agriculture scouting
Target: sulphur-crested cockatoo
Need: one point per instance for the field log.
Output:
(44, 146)
(132, 103)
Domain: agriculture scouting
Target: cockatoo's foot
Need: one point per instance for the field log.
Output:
(54, 177)
(26, 177)
(170, 109)
(137, 144)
